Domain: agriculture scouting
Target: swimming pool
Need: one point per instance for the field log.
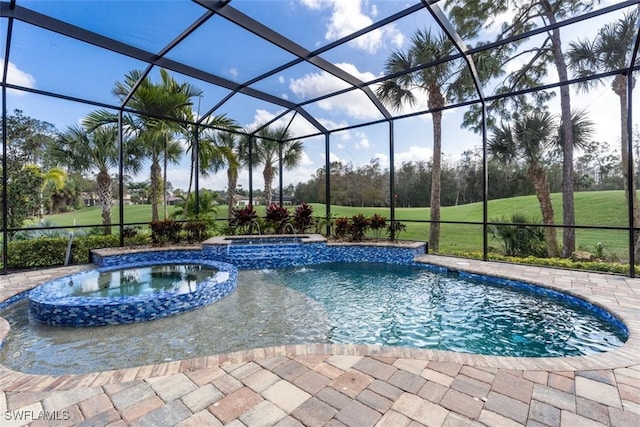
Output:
(384, 304)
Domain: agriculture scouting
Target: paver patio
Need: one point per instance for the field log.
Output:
(352, 385)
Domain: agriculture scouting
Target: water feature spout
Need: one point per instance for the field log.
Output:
(257, 226)
(293, 231)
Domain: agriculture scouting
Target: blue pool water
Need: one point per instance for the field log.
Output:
(337, 303)
(140, 280)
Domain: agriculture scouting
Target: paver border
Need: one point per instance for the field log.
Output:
(617, 294)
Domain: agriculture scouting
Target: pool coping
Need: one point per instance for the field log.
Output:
(617, 294)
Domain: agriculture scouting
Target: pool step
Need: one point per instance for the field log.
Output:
(269, 255)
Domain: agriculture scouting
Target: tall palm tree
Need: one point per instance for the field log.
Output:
(609, 51)
(82, 151)
(266, 152)
(439, 83)
(528, 140)
(158, 103)
(226, 151)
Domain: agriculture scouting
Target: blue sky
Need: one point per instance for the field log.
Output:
(46, 61)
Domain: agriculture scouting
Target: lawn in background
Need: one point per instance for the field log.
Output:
(602, 208)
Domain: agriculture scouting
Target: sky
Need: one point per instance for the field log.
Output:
(43, 60)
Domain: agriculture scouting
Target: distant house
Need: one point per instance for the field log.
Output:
(173, 200)
(286, 200)
(89, 198)
(240, 200)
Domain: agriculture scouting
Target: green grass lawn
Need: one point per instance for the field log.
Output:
(602, 208)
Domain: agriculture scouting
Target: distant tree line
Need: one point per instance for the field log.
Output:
(597, 167)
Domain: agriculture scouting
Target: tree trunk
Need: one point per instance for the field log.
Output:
(105, 196)
(193, 166)
(539, 179)
(268, 174)
(232, 178)
(436, 100)
(164, 180)
(155, 187)
(619, 86)
(568, 214)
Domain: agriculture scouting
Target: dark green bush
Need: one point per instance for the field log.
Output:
(165, 231)
(394, 229)
(129, 232)
(519, 239)
(34, 253)
(50, 252)
(84, 244)
(195, 231)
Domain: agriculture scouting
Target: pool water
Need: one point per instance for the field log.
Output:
(337, 303)
(140, 280)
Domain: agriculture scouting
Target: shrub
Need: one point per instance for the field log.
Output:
(517, 239)
(394, 229)
(51, 251)
(341, 227)
(129, 232)
(195, 231)
(83, 245)
(358, 227)
(165, 231)
(377, 223)
(303, 218)
(34, 253)
(243, 218)
(277, 217)
(324, 225)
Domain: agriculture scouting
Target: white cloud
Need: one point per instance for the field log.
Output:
(363, 143)
(414, 154)
(383, 160)
(348, 16)
(335, 158)
(18, 77)
(353, 103)
(233, 72)
(281, 79)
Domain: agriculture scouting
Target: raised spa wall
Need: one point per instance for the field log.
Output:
(267, 252)
(50, 303)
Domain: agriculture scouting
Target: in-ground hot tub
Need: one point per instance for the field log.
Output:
(132, 292)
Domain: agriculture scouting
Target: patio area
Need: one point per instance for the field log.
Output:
(352, 385)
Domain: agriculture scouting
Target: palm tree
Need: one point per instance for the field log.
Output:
(53, 178)
(610, 51)
(83, 151)
(266, 152)
(158, 104)
(446, 80)
(211, 151)
(225, 150)
(528, 140)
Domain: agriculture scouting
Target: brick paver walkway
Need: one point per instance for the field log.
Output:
(349, 385)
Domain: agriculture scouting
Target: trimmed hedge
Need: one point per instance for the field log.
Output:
(49, 252)
(598, 266)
